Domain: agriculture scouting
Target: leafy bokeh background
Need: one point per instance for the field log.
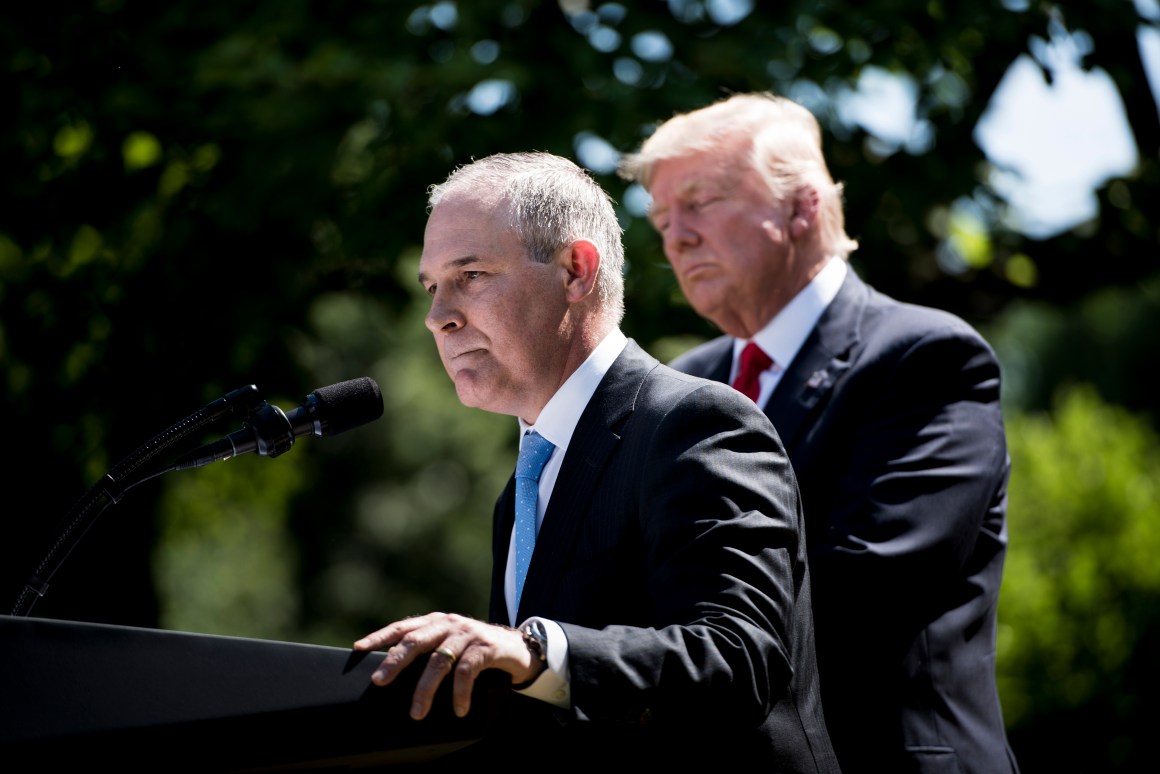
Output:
(201, 196)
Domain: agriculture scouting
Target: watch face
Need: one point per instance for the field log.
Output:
(536, 638)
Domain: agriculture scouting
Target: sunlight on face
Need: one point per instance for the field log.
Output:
(494, 312)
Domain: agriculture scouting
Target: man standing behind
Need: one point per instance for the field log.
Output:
(889, 411)
(665, 617)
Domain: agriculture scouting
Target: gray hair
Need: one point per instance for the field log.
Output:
(551, 202)
(784, 143)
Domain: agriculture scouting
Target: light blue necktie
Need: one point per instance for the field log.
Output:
(534, 453)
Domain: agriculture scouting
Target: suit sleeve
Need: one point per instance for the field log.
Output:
(911, 491)
(714, 501)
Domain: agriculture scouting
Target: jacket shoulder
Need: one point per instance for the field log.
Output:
(910, 323)
(703, 357)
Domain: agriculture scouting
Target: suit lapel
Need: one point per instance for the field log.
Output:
(720, 360)
(589, 452)
(824, 357)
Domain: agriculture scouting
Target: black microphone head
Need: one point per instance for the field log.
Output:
(339, 407)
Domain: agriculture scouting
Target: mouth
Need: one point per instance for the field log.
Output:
(694, 270)
(452, 357)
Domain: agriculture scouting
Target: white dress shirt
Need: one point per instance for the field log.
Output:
(556, 422)
(783, 336)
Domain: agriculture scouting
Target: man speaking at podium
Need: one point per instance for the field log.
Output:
(649, 587)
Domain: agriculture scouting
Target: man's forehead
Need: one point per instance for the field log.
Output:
(691, 172)
(458, 228)
(681, 184)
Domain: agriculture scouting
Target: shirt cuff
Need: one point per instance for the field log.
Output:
(553, 684)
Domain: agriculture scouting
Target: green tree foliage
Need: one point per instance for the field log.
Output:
(1080, 604)
(227, 528)
(1107, 339)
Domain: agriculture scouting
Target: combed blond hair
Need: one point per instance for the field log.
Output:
(784, 141)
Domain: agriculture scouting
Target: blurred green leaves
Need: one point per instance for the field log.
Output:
(140, 150)
(72, 141)
(225, 559)
(1080, 603)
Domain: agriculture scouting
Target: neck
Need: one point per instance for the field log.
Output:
(575, 346)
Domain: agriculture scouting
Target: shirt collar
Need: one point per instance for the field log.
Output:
(782, 337)
(559, 417)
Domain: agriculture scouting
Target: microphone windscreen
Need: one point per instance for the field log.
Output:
(348, 404)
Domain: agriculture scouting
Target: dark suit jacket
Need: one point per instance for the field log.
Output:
(890, 413)
(672, 554)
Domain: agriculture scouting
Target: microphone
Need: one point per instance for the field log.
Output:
(270, 431)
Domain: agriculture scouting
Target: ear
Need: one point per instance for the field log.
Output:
(580, 262)
(805, 212)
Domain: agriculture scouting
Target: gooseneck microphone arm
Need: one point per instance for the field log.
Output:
(117, 481)
(268, 430)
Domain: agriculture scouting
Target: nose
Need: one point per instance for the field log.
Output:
(678, 234)
(444, 316)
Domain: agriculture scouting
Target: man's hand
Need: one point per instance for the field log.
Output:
(454, 642)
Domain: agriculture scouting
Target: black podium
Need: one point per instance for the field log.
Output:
(75, 693)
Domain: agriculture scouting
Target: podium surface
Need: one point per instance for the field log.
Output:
(83, 693)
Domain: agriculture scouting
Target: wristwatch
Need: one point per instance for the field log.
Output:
(536, 638)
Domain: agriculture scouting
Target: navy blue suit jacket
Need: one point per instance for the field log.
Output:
(890, 414)
(672, 555)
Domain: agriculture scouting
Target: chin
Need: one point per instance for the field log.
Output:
(465, 388)
(468, 397)
(704, 298)
(472, 392)
(706, 310)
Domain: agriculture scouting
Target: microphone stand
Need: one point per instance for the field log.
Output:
(110, 489)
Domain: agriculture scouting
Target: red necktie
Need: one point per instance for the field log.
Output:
(753, 362)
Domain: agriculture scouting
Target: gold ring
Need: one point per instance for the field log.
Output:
(444, 651)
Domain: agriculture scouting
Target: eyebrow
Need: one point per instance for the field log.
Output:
(686, 189)
(455, 264)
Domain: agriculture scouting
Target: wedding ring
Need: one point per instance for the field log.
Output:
(444, 651)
